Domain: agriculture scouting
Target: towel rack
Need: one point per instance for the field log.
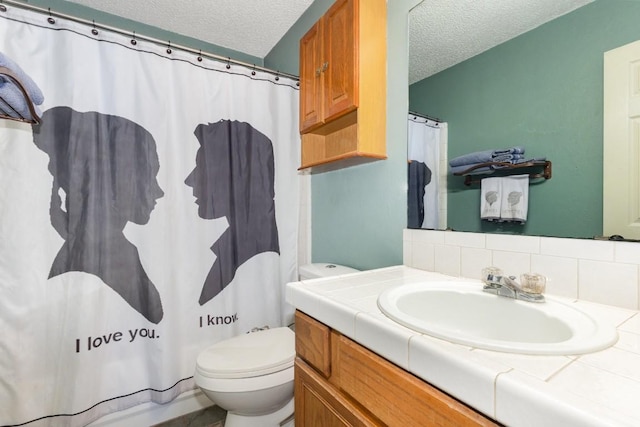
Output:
(34, 119)
(506, 168)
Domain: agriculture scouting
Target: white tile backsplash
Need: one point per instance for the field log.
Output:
(422, 255)
(627, 252)
(608, 283)
(599, 271)
(562, 274)
(466, 240)
(473, 260)
(511, 243)
(447, 259)
(512, 263)
(598, 250)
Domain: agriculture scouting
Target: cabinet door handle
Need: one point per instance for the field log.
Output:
(318, 71)
(325, 66)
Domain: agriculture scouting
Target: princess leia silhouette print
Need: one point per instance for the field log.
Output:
(104, 174)
(234, 178)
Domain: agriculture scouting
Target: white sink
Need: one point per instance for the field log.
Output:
(461, 312)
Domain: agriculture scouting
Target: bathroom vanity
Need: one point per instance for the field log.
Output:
(355, 366)
(341, 383)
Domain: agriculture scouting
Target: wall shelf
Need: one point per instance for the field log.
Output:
(536, 169)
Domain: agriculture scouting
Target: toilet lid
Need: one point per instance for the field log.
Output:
(249, 355)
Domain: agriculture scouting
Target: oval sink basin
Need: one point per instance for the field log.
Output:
(461, 312)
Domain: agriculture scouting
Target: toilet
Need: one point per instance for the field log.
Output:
(251, 375)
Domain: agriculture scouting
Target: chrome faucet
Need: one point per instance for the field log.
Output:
(496, 283)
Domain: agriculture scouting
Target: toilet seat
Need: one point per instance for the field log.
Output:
(249, 355)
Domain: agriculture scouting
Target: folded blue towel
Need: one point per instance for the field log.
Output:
(484, 156)
(532, 159)
(462, 168)
(512, 158)
(13, 102)
(472, 158)
(512, 150)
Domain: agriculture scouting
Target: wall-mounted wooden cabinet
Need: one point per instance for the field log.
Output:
(343, 86)
(340, 383)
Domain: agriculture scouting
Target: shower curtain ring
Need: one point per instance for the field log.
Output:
(50, 19)
(3, 8)
(253, 72)
(94, 31)
(133, 40)
(277, 75)
(228, 62)
(200, 56)
(169, 47)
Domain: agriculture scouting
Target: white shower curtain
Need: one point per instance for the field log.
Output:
(424, 180)
(151, 214)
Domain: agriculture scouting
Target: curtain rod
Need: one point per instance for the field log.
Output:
(137, 36)
(424, 116)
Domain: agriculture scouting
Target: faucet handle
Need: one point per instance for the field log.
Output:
(491, 275)
(533, 283)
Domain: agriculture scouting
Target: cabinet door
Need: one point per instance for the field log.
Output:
(318, 404)
(311, 77)
(339, 59)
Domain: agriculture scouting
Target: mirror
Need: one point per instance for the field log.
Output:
(543, 91)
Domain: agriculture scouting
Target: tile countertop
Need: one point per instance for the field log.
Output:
(596, 389)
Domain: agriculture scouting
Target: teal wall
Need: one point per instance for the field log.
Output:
(358, 213)
(83, 12)
(542, 90)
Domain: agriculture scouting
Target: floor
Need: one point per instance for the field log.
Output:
(209, 417)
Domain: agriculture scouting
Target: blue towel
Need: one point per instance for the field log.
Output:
(484, 156)
(512, 150)
(533, 159)
(472, 158)
(14, 103)
(511, 158)
(462, 168)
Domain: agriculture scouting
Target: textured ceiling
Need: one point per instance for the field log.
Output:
(248, 26)
(446, 32)
(442, 32)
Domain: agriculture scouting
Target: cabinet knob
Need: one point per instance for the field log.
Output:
(318, 71)
(325, 66)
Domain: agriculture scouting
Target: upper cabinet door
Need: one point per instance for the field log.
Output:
(340, 66)
(343, 86)
(311, 77)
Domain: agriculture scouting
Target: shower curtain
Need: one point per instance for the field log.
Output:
(152, 213)
(423, 172)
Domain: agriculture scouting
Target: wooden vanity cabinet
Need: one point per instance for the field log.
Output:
(343, 86)
(341, 383)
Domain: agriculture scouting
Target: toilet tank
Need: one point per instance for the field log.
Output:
(315, 270)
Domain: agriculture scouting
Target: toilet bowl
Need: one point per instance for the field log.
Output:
(250, 376)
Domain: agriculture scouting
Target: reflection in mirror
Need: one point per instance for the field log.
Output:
(427, 172)
(543, 91)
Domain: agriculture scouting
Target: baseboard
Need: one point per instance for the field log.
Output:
(149, 414)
